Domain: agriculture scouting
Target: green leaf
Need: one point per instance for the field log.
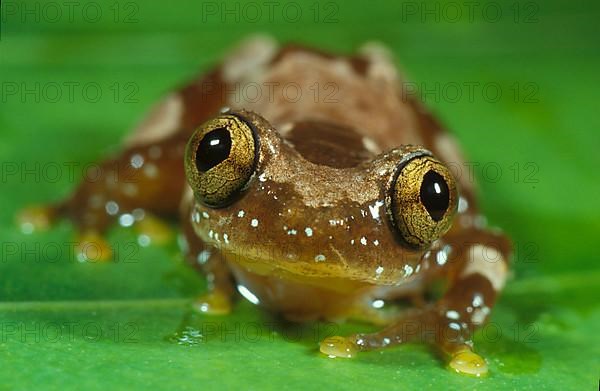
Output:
(128, 324)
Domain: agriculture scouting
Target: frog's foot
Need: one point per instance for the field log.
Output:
(343, 347)
(463, 360)
(36, 218)
(467, 362)
(91, 247)
(215, 302)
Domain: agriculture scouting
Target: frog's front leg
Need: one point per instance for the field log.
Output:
(477, 273)
(208, 260)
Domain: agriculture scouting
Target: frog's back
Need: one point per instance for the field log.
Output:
(362, 94)
(292, 84)
(336, 110)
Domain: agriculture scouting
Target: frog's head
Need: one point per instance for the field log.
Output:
(315, 204)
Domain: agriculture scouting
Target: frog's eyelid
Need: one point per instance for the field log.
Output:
(255, 136)
(408, 157)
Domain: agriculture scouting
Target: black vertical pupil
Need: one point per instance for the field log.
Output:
(213, 149)
(435, 195)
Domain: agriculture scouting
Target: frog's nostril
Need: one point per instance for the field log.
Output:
(435, 195)
(213, 149)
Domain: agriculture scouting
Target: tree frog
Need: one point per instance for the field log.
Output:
(310, 184)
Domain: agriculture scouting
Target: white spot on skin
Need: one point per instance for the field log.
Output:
(203, 257)
(363, 241)
(451, 314)
(251, 297)
(488, 262)
(371, 145)
(254, 223)
(308, 231)
(205, 215)
(320, 258)
(376, 242)
(126, 220)
(379, 270)
(377, 303)
(262, 177)
(226, 238)
(292, 232)
(196, 217)
(241, 213)
(408, 270)
(335, 222)
(442, 256)
(463, 204)
(112, 208)
(137, 161)
(477, 300)
(374, 209)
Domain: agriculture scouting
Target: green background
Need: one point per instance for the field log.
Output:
(128, 324)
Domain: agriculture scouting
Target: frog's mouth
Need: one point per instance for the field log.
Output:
(333, 276)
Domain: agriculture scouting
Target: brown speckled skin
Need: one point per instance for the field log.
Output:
(311, 235)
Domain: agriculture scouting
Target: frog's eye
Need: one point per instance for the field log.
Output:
(220, 159)
(423, 201)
